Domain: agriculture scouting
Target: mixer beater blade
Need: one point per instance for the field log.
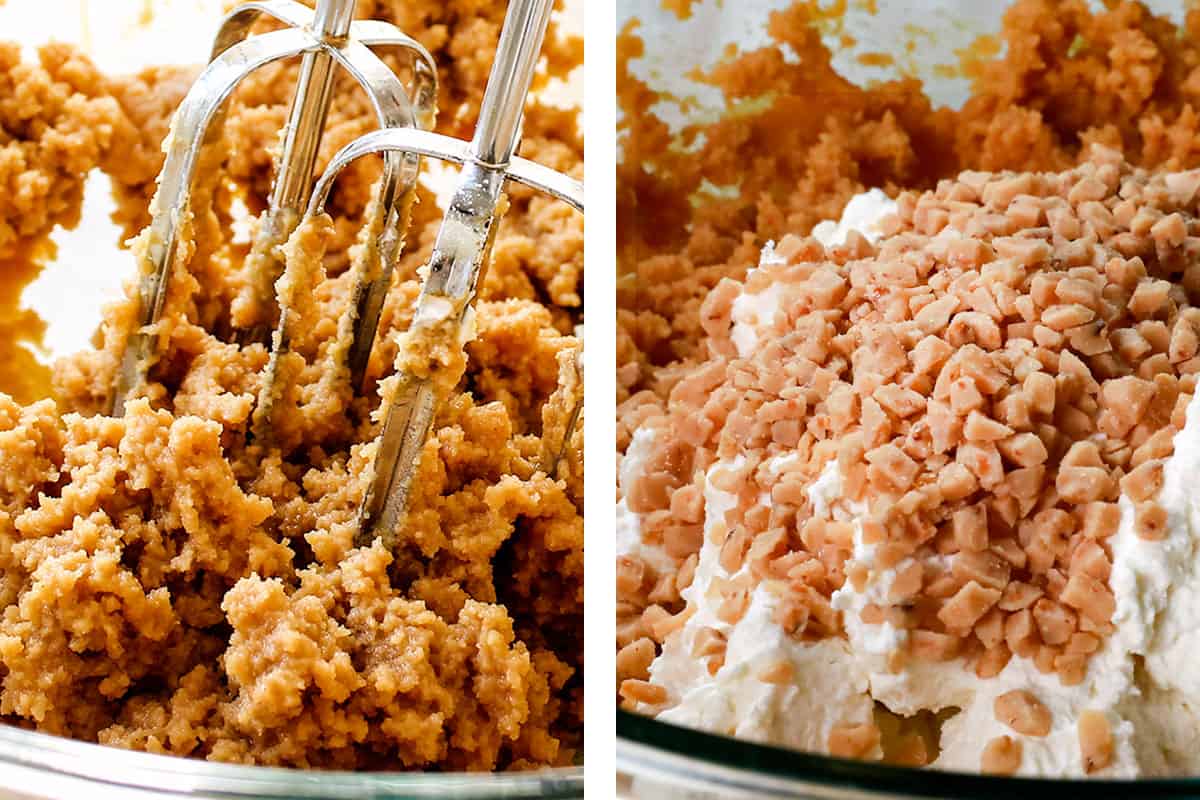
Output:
(458, 260)
(325, 38)
(456, 265)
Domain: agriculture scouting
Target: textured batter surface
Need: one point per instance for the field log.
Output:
(167, 586)
(1135, 88)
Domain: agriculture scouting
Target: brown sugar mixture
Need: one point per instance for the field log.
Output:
(168, 583)
(1014, 354)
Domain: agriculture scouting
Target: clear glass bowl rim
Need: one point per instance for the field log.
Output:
(75, 768)
(669, 753)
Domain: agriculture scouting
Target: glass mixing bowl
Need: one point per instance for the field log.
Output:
(34, 766)
(658, 761)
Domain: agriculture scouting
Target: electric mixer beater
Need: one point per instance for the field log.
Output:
(327, 39)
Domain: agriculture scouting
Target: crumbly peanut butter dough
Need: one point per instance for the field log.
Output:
(168, 583)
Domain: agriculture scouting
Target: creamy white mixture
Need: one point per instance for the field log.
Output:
(1144, 677)
(628, 523)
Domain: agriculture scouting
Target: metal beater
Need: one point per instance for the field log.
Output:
(463, 241)
(326, 37)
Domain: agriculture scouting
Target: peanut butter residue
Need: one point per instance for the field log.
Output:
(170, 582)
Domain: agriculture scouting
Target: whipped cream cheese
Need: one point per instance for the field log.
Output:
(1143, 679)
(831, 687)
(629, 523)
(863, 214)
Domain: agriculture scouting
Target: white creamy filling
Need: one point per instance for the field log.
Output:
(750, 309)
(1157, 585)
(863, 214)
(629, 541)
(936, 686)
(1154, 715)
(829, 688)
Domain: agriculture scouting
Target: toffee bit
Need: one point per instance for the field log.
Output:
(634, 692)
(853, 741)
(1096, 746)
(1023, 712)
(1001, 756)
(634, 659)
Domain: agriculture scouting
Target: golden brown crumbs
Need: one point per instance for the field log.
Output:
(170, 584)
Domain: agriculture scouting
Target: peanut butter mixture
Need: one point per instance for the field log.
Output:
(1014, 354)
(170, 583)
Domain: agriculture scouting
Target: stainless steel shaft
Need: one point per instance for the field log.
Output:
(459, 255)
(298, 158)
(309, 109)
